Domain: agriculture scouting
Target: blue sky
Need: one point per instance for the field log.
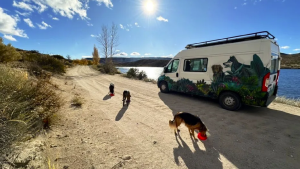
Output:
(70, 27)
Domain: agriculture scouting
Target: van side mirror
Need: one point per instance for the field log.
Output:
(165, 69)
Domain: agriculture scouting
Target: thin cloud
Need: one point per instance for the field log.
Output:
(94, 36)
(121, 26)
(44, 25)
(168, 56)
(107, 3)
(136, 24)
(127, 29)
(135, 54)
(160, 18)
(89, 24)
(23, 13)
(284, 47)
(121, 54)
(9, 37)
(148, 54)
(235, 7)
(23, 6)
(29, 23)
(296, 49)
(55, 18)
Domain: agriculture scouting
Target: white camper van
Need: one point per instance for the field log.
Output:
(236, 70)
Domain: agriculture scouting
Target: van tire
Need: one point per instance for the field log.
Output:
(230, 101)
(164, 87)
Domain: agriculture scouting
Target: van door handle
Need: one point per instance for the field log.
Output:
(176, 74)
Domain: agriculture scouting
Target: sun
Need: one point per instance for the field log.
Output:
(149, 6)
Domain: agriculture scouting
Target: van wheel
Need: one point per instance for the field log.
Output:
(164, 87)
(230, 101)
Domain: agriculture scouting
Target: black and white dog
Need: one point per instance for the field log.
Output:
(112, 88)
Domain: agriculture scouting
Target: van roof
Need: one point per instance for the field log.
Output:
(233, 39)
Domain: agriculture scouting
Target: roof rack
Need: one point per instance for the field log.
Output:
(233, 39)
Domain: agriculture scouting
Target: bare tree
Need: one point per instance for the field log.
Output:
(96, 57)
(103, 39)
(108, 40)
(69, 57)
(114, 39)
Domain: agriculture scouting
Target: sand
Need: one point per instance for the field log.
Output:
(104, 134)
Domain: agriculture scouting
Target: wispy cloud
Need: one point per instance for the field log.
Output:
(135, 54)
(284, 47)
(89, 24)
(23, 6)
(28, 21)
(8, 25)
(107, 3)
(55, 18)
(136, 24)
(296, 49)
(160, 18)
(44, 25)
(23, 13)
(167, 56)
(94, 36)
(121, 54)
(9, 37)
(148, 54)
(127, 29)
(121, 26)
(235, 7)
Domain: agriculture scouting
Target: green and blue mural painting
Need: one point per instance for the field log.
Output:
(246, 80)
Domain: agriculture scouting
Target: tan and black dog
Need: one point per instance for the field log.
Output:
(126, 97)
(191, 121)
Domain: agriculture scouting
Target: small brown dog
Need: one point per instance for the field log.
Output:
(191, 121)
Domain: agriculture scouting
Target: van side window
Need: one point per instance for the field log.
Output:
(195, 65)
(173, 66)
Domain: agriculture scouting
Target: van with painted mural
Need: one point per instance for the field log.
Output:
(239, 70)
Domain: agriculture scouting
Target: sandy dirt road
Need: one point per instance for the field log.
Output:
(104, 134)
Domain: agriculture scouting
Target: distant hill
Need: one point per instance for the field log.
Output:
(290, 61)
(127, 59)
(145, 63)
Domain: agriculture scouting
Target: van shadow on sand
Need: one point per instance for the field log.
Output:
(249, 138)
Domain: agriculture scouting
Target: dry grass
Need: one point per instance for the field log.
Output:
(77, 101)
(24, 105)
(284, 100)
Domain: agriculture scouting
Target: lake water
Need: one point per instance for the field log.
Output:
(289, 79)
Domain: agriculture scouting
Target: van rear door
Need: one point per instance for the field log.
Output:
(274, 73)
(271, 83)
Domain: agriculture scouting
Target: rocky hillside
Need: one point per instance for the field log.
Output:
(145, 63)
(291, 61)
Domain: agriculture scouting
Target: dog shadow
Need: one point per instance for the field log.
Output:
(121, 113)
(106, 97)
(208, 158)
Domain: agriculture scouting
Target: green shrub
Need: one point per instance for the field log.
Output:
(108, 68)
(46, 62)
(8, 53)
(132, 73)
(59, 57)
(142, 75)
